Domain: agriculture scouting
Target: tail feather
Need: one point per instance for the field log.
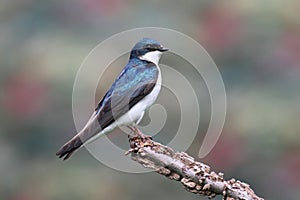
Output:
(69, 148)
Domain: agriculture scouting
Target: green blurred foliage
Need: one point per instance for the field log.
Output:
(255, 44)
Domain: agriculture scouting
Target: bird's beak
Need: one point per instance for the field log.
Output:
(162, 49)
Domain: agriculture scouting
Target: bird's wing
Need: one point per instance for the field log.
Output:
(132, 85)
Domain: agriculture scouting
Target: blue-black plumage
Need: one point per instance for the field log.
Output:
(134, 90)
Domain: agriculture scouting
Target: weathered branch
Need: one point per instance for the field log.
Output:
(195, 176)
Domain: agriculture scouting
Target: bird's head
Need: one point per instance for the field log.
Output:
(148, 49)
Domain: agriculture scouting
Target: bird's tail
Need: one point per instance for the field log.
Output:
(69, 148)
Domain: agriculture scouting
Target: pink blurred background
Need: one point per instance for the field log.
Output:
(255, 44)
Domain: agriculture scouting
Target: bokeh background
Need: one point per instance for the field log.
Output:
(254, 43)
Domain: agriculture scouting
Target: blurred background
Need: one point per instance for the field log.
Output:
(254, 43)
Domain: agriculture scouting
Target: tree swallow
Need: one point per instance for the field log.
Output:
(134, 90)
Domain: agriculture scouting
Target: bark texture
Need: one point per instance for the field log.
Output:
(196, 177)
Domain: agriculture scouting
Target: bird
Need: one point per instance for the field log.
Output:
(134, 90)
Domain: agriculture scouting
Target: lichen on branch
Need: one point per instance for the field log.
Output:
(195, 176)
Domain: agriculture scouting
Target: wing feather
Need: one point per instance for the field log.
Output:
(132, 85)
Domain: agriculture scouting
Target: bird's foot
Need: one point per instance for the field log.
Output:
(138, 142)
(138, 133)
